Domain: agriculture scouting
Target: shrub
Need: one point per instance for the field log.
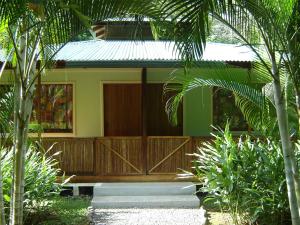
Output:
(40, 176)
(245, 177)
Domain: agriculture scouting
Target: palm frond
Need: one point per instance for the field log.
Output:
(187, 23)
(183, 84)
(6, 112)
(261, 119)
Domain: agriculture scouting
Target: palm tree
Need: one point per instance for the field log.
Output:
(37, 30)
(269, 19)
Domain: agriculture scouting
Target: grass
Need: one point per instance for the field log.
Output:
(215, 216)
(73, 211)
(60, 211)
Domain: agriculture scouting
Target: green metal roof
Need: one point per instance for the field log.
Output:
(112, 53)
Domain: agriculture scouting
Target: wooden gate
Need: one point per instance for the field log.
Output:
(167, 155)
(116, 156)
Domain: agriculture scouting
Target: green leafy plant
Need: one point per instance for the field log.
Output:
(40, 176)
(244, 176)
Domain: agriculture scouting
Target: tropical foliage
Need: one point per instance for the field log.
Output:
(6, 106)
(257, 108)
(40, 176)
(6, 113)
(254, 96)
(245, 177)
(277, 24)
(36, 30)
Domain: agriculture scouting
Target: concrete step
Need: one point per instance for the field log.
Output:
(160, 201)
(144, 189)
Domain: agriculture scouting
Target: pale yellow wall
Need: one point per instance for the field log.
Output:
(88, 95)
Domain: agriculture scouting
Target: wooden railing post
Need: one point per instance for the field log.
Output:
(144, 121)
(94, 155)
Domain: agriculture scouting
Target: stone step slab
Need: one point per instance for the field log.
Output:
(159, 201)
(144, 189)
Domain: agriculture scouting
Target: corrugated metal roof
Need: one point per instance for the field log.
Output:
(112, 53)
(150, 51)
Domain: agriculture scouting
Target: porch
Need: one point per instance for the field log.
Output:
(124, 158)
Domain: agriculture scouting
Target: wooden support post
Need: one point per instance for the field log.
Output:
(144, 120)
(39, 96)
(94, 149)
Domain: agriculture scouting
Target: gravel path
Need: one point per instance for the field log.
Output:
(148, 216)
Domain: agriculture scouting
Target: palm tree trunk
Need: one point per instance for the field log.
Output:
(19, 154)
(298, 109)
(20, 148)
(24, 91)
(20, 142)
(16, 110)
(24, 106)
(2, 213)
(288, 152)
(295, 163)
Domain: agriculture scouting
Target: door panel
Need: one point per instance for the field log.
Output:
(157, 119)
(122, 110)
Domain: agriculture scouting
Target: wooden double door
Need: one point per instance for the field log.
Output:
(131, 111)
(138, 138)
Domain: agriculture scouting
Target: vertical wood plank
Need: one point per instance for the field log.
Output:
(76, 157)
(144, 120)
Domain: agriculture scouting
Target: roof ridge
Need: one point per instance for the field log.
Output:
(149, 41)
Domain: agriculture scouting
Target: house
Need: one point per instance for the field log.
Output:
(103, 105)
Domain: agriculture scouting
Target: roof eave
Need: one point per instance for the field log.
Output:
(148, 64)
